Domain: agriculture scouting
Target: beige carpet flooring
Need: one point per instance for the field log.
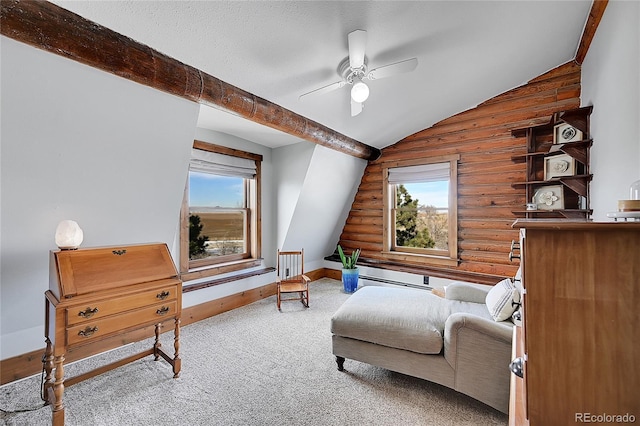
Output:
(251, 366)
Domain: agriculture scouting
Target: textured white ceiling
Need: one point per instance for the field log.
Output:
(468, 51)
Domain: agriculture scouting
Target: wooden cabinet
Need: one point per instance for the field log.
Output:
(557, 166)
(579, 335)
(97, 293)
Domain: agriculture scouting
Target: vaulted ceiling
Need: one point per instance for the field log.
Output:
(468, 51)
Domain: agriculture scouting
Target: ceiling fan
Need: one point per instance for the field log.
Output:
(353, 71)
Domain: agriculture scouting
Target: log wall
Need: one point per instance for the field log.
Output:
(482, 138)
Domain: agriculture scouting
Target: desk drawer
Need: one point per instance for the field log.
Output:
(92, 330)
(89, 312)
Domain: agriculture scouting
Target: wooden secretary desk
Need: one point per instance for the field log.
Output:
(95, 295)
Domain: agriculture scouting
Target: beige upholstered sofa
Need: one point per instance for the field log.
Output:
(451, 340)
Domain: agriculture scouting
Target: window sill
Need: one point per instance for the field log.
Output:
(218, 281)
(420, 258)
(222, 268)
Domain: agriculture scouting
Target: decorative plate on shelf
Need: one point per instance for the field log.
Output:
(563, 133)
(549, 197)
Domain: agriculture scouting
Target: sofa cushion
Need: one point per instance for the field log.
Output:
(398, 317)
(503, 300)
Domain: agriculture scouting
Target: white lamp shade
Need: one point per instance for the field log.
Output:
(359, 92)
(68, 235)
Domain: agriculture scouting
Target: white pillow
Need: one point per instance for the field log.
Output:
(502, 300)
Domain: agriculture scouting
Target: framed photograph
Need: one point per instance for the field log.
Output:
(564, 133)
(558, 166)
(549, 197)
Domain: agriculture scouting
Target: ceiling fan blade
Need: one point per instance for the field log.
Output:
(357, 46)
(356, 108)
(323, 90)
(393, 69)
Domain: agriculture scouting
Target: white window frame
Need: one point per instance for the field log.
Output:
(412, 254)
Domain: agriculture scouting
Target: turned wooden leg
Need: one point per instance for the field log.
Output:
(157, 344)
(177, 362)
(58, 392)
(48, 369)
(340, 361)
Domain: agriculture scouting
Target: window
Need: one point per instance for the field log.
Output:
(219, 222)
(421, 221)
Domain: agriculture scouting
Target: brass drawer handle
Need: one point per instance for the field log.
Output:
(119, 252)
(88, 313)
(163, 295)
(163, 310)
(87, 331)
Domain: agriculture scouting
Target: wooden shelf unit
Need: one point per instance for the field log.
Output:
(540, 147)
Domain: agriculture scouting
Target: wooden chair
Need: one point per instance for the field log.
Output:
(290, 277)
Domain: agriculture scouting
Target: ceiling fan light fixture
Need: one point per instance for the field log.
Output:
(359, 92)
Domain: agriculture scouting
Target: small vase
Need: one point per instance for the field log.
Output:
(350, 280)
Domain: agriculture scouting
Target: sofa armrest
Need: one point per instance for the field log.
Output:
(466, 292)
(479, 351)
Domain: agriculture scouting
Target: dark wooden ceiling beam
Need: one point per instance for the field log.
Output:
(595, 15)
(49, 27)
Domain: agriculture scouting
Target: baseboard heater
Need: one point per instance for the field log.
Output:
(400, 283)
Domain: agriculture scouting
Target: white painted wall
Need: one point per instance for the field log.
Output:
(611, 83)
(325, 193)
(291, 163)
(81, 144)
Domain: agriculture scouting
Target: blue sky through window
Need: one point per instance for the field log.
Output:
(207, 190)
(430, 193)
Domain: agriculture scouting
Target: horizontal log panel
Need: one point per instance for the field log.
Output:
(429, 145)
(373, 185)
(488, 212)
(538, 111)
(559, 71)
(499, 155)
(572, 92)
(435, 148)
(492, 224)
(488, 269)
(486, 169)
(361, 205)
(556, 83)
(516, 118)
(363, 229)
(372, 195)
(565, 79)
(462, 149)
(509, 113)
(503, 146)
(521, 101)
(366, 247)
(493, 201)
(365, 220)
(495, 110)
(472, 189)
(364, 213)
(495, 247)
(361, 237)
(484, 257)
(489, 234)
(489, 178)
